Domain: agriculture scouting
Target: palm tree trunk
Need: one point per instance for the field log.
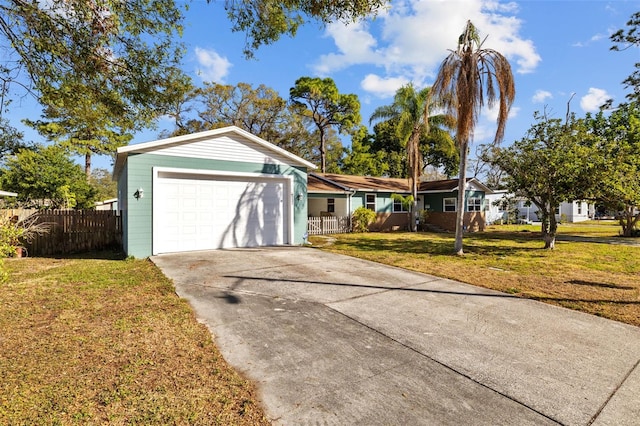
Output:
(462, 186)
(415, 163)
(414, 192)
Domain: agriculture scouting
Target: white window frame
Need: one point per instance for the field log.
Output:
(455, 204)
(477, 204)
(331, 205)
(367, 203)
(399, 204)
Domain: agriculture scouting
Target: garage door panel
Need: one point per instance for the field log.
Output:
(205, 214)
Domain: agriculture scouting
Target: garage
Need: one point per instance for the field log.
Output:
(219, 189)
(212, 211)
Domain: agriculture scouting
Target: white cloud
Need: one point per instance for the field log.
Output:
(485, 130)
(413, 37)
(594, 38)
(212, 67)
(355, 44)
(492, 113)
(592, 101)
(382, 87)
(540, 96)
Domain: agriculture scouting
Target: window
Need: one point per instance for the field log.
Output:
(579, 207)
(331, 205)
(558, 210)
(370, 202)
(449, 204)
(474, 204)
(398, 207)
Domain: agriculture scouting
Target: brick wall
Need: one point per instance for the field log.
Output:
(473, 221)
(390, 222)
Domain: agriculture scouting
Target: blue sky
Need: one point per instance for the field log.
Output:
(556, 49)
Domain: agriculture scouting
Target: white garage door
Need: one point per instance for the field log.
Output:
(211, 212)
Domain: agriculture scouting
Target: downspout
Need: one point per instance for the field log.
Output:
(349, 195)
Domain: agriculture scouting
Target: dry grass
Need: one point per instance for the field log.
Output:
(601, 279)
(108, 341)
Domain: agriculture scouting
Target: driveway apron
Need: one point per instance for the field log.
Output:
(334, 340)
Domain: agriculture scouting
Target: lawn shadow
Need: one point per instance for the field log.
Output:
(603, 285)
(96, 255)
(442, 244)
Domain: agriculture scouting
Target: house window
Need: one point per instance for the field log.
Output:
(370, 202)
(558, 210)
(331, 205)
(474, 204)
(579, 208)
(398, 207)
(449, 204)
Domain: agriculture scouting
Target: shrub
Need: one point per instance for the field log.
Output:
(362, 218)
(14, 234)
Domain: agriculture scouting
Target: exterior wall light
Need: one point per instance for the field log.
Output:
(139, 193)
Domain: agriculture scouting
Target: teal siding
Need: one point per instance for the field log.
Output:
(384, 202)
(436, 200)
(138, 173)
(123, 206)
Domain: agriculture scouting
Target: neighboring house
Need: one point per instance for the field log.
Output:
(8, 194)
(110, 204)
(494, 211)
(215, 189)
(576, 211)
(340, 195)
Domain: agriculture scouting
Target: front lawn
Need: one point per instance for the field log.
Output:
(107, 341)
(600, 279)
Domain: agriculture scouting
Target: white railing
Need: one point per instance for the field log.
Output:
(327, 225)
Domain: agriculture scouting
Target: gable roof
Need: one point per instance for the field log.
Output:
(316, 183)
(450, 185)
(337, 183)
(177, 141)
(361, 183)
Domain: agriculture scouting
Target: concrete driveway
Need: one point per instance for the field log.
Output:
(335, 340)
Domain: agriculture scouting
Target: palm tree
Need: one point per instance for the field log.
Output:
(410, 113)
(465, 77)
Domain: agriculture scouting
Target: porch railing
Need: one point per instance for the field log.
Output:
(327, 225)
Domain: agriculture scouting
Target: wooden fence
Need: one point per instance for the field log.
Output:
(328, 225)
(75, 231)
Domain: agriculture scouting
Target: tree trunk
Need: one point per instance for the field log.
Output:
(414, 163)
(628, 221)
(549, 236)
(323, 152)
(87, 165)
(462, 186)
(414, 205)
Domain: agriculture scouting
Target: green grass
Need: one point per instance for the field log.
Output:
(96, 341)
(600, 279)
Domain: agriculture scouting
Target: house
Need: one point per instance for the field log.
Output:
(340, 195)
(569, 211)
(110, 204)
(216, 189)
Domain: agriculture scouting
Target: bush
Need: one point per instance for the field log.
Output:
(14, 234)
(362, 218)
